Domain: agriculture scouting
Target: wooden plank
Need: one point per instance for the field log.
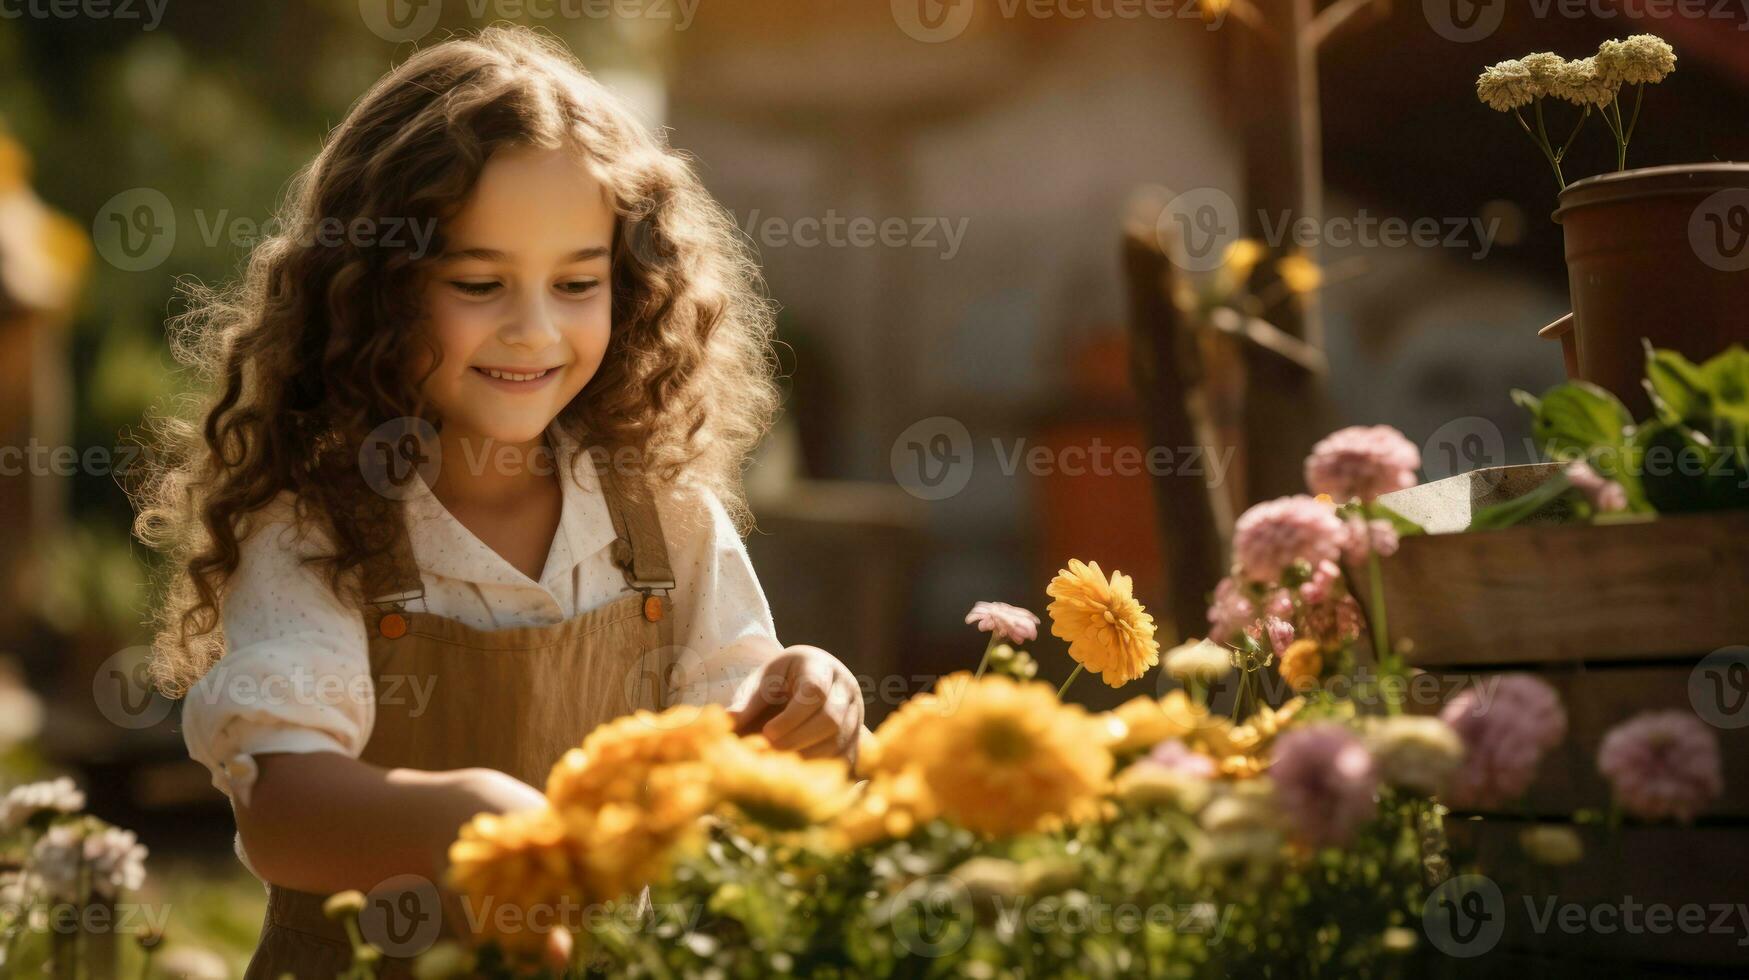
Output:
(1602, 906)
(1596, 701)
(1673, 588)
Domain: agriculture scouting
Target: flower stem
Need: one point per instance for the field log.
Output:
(1381, 638)
(1071, 680)
(986, 661)
(1542, 141)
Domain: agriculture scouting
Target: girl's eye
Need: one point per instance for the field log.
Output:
(579, 287)
(474, 288)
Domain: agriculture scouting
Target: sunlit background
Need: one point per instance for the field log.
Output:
(1000, 148)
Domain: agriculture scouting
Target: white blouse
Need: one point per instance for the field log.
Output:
(295, 676)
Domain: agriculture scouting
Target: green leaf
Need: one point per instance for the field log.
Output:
(1678, 388)
(1675, 461)
(1577, 418)
(1403, 525)
(1727, 379)
(1510, 512)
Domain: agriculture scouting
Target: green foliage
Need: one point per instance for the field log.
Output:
(1691, 455)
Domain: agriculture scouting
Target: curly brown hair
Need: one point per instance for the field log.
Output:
(305, 354)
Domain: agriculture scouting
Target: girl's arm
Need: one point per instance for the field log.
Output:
(324, 822)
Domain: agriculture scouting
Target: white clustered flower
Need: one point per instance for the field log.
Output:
(1415, 752)
(1579, 83)
(115, 858)
(1199, 660)
(24, 802)
(1505, 86)
(1640, 60)
(1542, 69)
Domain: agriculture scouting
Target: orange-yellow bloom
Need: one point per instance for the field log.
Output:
(1109, 632)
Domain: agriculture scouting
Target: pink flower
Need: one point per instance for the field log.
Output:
(1231, 612)
(1365, 537)
(1604, 494)
(1321, 586)
(1281, 633)
(1006, 621)
(1505, 730)
(1276, 533)
(1362, 461)
(1325, 780)
(1280, 604)
(1662, 764)
(1175, 755)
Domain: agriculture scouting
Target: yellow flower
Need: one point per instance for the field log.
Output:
(1109, 632)
(1003, 757)
(622, 850)
(1241, 750)
(1241, 257)
(1148, 721)
(618, 761)
(781, 790)
(890, 807)
(1301, 664)
(1299, 274)
(524, 858)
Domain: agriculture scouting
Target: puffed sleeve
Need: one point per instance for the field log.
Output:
(295, 676)
(722, 622)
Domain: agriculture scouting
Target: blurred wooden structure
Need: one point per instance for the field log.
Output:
(1234, 384)
(1620, 619)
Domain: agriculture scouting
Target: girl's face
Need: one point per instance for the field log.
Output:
(519, 302)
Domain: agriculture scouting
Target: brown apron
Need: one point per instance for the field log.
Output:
(510, 699)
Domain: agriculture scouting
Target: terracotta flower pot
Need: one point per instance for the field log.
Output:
(1661, 254)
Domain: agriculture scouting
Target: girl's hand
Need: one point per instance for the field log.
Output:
(804, 700)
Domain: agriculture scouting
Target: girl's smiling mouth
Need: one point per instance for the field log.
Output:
(513, 380)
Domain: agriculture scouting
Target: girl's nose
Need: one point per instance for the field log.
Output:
(533, 324)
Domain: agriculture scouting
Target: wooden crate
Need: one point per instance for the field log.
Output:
(1620, 619)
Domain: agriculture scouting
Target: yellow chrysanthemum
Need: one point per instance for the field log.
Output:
(1149, 721)
(526, 858)
(1003, 757)
(624, 850)
(1301, 664)
(781, 790)
(1242, 750)
(889, 807)
(617, 760)
(1109, 632)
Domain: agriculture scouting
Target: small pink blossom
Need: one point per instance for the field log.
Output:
(1281, 633)
(1362, 461)
(1175, 755)
(1006, 621)
(1507, 723)
(1231, 611)
(1604, 494)
(1321, 586)
(1365, 537)
(1276, 533)
(1280, 604)
(1662, 765)
(1326, 782)
(1335, 622)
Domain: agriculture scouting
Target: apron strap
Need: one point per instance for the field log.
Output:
(392, 578)
(640, 551)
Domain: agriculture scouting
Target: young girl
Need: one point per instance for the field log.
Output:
(469, 482)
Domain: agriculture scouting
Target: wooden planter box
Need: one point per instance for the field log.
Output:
(1618, 618)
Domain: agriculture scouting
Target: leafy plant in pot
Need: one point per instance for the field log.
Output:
(1653, 254)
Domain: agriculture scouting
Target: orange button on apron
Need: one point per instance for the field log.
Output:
(653, 608)
(393, 626)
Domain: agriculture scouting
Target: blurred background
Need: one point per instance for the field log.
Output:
(1002, 233)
